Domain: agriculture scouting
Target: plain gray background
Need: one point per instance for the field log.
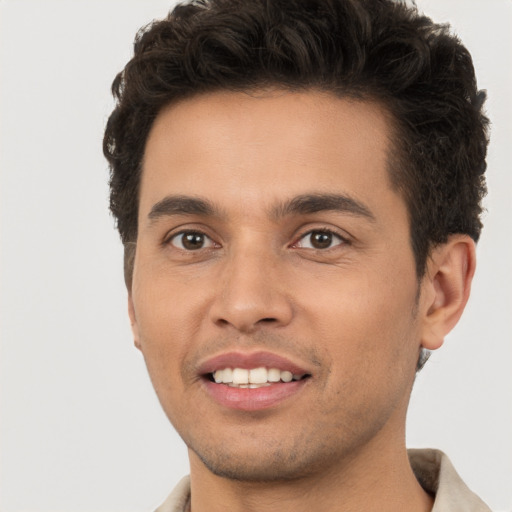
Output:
(81, 429)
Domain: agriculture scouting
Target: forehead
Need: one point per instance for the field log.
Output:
(252, 149)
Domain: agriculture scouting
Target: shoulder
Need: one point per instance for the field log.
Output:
(179, 498)
(436, 474)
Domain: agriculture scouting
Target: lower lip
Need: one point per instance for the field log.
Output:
(255, 399)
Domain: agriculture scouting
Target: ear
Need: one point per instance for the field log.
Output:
(446, 287)
(133, 322)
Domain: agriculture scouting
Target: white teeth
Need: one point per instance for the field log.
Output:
(253, 378)
(240, 376)
(286, 376)
(274, 375)
(258, 375)
(227, 375)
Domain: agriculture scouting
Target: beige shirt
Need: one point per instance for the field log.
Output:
(432, 468)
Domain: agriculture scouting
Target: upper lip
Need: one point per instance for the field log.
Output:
(250, 360)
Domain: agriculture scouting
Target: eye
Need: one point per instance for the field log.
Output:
(191, 241)
(320, 239)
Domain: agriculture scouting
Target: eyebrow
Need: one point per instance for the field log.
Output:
(314, 203)
(303, 204)
(182, 205)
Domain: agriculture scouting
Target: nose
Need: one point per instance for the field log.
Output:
(252, 292)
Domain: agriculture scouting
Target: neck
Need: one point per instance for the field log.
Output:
(373, 479)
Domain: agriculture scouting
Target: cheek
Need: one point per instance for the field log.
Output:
(166, 306)
(364, 320)
(369, 342)
(168, 315)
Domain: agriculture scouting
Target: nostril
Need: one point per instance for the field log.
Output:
(268, 320)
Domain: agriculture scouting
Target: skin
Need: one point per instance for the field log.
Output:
(354, 313)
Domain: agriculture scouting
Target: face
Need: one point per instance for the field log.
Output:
(272, 247)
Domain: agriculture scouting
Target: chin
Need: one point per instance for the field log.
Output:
(267, 461)
(262, 470)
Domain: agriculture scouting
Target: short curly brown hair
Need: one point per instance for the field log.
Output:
(370, 49)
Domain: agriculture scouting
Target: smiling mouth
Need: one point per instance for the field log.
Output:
(253, 378)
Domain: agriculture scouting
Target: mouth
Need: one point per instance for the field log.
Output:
(252, 381)
(253, 378)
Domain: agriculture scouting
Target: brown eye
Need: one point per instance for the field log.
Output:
(320, 239)
(191, 241)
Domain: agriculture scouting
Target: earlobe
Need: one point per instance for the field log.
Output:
(133, 322)
(446, 287)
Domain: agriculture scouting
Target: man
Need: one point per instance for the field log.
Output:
(297, 186)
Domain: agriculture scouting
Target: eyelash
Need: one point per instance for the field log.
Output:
(212, 244)
(342, 240)
(169, 240)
